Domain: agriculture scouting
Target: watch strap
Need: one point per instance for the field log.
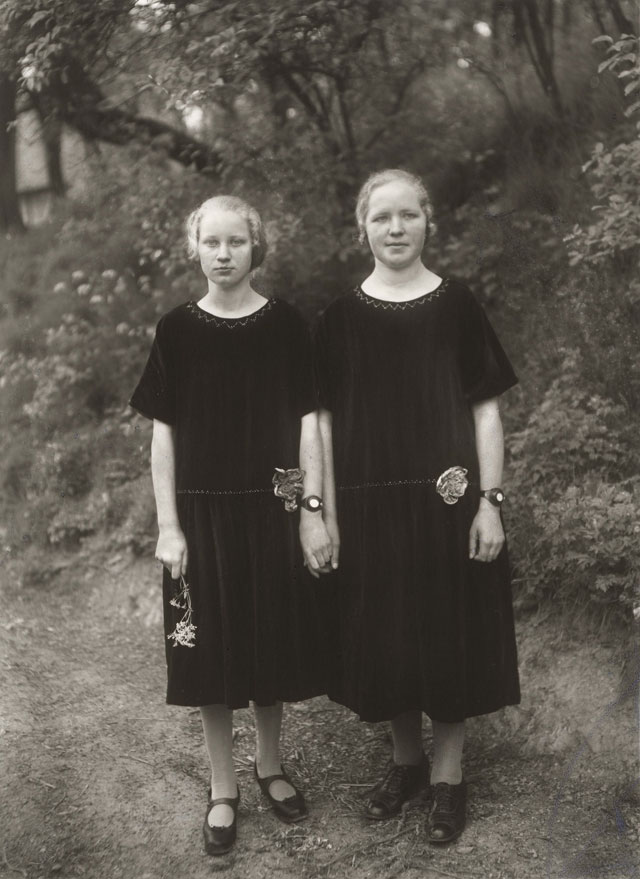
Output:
(312, 503)
(495, 496)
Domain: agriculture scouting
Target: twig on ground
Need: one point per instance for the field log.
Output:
(349, 784)
(373, 844)
(130, 756)
(428, 868)
(9, 866)
(58, 804)
(40, 781)
(139, 759)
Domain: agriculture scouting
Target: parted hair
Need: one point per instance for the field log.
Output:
(238, 206)
(380, 178)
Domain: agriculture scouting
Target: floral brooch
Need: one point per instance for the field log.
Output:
(288, 486)
(184, 633)
(452, 484)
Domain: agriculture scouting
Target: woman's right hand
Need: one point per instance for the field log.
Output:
(171, 550)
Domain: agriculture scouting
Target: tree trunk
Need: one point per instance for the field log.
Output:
(52, 136)
(597, 17)
(497, 9)
(9, 205)
(541, 56)
(624, 25)
(51, 128)
(519, 27)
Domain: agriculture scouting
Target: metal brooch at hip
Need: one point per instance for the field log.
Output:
(452, 484)
(288, 486)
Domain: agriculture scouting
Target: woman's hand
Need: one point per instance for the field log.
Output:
(331, 524)
(315, 542)
(486, 537)
(171, 550)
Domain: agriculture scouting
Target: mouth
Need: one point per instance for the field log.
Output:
(397, 244)
(223, 270)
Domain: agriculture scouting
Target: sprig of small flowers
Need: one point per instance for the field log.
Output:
(184, 633)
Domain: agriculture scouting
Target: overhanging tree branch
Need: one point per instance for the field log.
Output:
(82, 105)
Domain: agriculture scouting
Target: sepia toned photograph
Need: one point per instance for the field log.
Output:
(319, 462)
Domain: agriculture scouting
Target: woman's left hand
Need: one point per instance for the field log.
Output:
(486, 537)
(316, 544)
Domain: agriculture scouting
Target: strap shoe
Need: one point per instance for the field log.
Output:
(290, 810)
(220, 840)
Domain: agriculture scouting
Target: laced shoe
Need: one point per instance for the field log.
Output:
(448, 812)
(400, 784)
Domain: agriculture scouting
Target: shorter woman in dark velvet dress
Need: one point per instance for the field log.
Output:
(229, 387)
(409, 371)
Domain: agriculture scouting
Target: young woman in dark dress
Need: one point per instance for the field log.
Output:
(229, 386)
(409, 371)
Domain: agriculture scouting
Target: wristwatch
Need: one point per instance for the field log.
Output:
(312, 502)
(495, 496)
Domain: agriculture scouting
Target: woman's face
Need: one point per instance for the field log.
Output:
(395, 224)
(224, 247)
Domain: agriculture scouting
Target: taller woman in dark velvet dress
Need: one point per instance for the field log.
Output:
(409, 371)
(229, 386)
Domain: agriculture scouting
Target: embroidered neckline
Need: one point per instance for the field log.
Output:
(401, 306)
(229, 322)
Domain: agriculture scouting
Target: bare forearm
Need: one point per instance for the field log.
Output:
(163, 474)
(325, 423)
(314, 539)
(171, 548)
(311, 454)
(489, 444)
(486, 535)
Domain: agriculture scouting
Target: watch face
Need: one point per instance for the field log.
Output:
(499, 497)
(314, 503)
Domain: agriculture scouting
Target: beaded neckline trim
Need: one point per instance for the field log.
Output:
(400, 306)
(229, 322)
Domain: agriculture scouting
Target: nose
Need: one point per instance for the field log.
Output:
(396, 226)
(223, 253)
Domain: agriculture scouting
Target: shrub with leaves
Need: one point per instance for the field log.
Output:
(575, 495)
(614, 173)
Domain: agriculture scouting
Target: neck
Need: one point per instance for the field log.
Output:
(398, 278)
(230, 299)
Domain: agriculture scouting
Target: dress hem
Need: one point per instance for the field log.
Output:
(236, 705)
(378, 717)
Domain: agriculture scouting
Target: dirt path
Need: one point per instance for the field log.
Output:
(101, 779)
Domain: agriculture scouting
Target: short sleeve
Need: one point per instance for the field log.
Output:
(485, 369)
(299, 361)
(306, 398)
(324, 364)
(154, 396)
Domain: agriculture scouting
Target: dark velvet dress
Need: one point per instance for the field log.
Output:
(418, 624)
(235, 391)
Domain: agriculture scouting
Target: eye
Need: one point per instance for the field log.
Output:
(210, 242)
(238, 242)
(379, 218)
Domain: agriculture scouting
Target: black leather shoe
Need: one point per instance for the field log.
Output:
(400, 784)
(220, 840)
(448, 812)
(290, 810)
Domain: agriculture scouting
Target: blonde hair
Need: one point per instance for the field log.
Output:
(237, 206)
(380, 178)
